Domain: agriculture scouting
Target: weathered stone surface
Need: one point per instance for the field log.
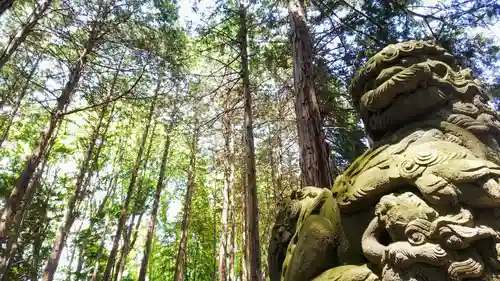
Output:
(424, 202)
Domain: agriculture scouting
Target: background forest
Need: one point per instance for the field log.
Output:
(155, 140)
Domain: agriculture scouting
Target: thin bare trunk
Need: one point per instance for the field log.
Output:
(37, 246)
(26, 29)
(275, 157)
(228, 184)
(35, 158)
(111, 190)
(18, 102)
(71, 215)
(79, 265)
(245, 266)
(42, 228)
(73, 254)
(70, 264)
(147, 158)
(314, 158)
(182, 253)
(128, 244)
(154, 211)
(232, 233)
(95, 272)
(250, 175)
(11, 243)
(214, 239)
(272, 163)
(112, 184)
(130, 190)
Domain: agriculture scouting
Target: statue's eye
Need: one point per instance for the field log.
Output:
(384, 166)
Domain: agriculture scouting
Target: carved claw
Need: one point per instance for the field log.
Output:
(403, 254)
(471, 267)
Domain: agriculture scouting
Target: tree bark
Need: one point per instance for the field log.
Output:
(18, 102)
(78, 194)
(245, 266)
(128, 244)
(92, 167)
(228, 186)
(276, 158)
(79, 265)
(182, 253)
(95, 272)
(36, 156)
(74, 254)
(11, 247)
(111, 191)
(154, 211)
(232, 233)
(314, 158)
(214, 237)
(130, 190)
(250, 175)
(37, 246)
(278, 170)
(21, 35)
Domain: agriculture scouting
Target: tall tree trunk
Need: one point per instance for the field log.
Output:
(182, 253)
(18, 102)
(95, 272)
(154, 211)
(275, 157)
(147, 157)
(37, 245)
(130, 190)
(245, 266)
(128, 244)
(71, 214)
(74, 253)
(79, 265)
(111, 191)
(34, 159)
(278, 170)
(11, 243)
(232, 233)
(250, 175)
(228, 185)
(93, 166)
(9, 49)
(314, 158)
(99, 212)
(214, 238)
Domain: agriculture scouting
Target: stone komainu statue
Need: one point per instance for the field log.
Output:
(424, 202)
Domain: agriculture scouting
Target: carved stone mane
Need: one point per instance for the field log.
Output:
(424, 202)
